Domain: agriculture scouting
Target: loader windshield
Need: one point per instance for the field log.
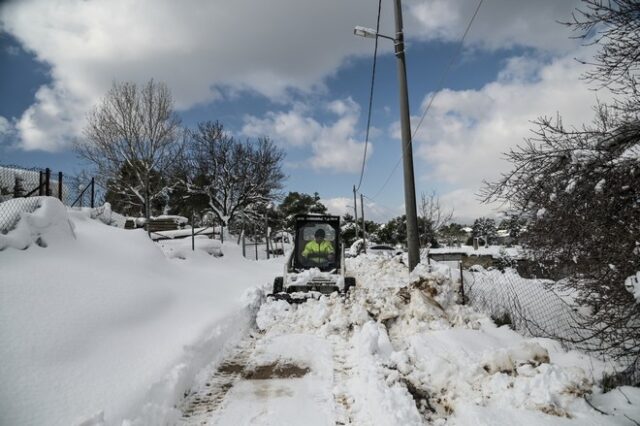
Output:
(316, 245)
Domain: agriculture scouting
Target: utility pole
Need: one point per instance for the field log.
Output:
(364, 229)
(407, 151)
(355, 210)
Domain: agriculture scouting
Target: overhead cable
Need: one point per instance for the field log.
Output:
(373, 79)
(434, 94)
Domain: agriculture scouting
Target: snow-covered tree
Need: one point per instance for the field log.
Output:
(130, 137)
(300, 203)
(514, 224)
(230, 174)
(484, 228)
(452, 234)
(580, 187)
(394, 231)
(615, 27)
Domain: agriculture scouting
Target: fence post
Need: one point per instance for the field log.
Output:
(47, 179)
(244, 245)
(60, 186)
(461, 281)
(41, 187)
(93, 192)
(266, 234)
(255, 234)
(193, 235)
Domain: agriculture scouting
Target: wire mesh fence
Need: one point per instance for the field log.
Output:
(537, 308)
(20, 188)
(260, 247)
(528, 305)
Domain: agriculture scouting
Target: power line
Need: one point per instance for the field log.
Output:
(373, 78)
(446, 71)
(433, 96)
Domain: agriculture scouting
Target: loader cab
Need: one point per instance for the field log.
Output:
(306, 229)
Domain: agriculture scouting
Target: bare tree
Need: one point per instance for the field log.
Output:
(230, 174)
(614, 25)
(580, 190)
(434, 217)
(133, 131)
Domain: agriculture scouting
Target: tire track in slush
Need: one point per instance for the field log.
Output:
(201, 402)
(342, 372)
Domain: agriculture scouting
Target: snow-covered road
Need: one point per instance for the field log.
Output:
(100, 326)
(300, 365)
(397, 350)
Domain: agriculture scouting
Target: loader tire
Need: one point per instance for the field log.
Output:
(278, 285)
(349, 283)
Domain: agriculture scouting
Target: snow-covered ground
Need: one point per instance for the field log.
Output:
(100, 325)
(494, 250)
(102, 321)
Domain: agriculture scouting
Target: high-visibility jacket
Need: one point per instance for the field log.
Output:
(317, 252)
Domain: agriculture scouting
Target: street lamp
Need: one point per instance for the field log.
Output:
(405, 128)
(369, 33)
(365, 32)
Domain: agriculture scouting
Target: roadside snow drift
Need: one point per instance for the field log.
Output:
(92, 316)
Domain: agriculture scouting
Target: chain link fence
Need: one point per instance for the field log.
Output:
(20, 188)
(536, 308)
(260, 247)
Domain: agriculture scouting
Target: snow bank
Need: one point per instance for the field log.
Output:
(100, 325)
(460, 367)
(183, 248)
(48, 223)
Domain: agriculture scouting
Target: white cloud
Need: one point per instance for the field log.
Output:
(466, 133)
(339, 205)
(333, 145)
(499, 23)
(203, 48)
(199, 49)
(5, 126)
(372, 210)
(49, 122)
(466, 207)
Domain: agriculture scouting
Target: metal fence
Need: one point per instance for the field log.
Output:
(260, 247)
(20, 188)
(537, 308)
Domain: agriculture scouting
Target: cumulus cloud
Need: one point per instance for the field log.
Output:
(5, 126)
(499, 23)
(199, 50)
(463, 138)
(6, 130)
(338, 205)
(333, 143)
(205, 49)
(55, 116)
(372, 210)
(465, 206)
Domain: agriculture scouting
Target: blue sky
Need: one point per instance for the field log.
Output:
(293, 71)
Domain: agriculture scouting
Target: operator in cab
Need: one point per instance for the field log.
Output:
(318, 250)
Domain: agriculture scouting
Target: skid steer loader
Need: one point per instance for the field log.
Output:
(315, 266)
